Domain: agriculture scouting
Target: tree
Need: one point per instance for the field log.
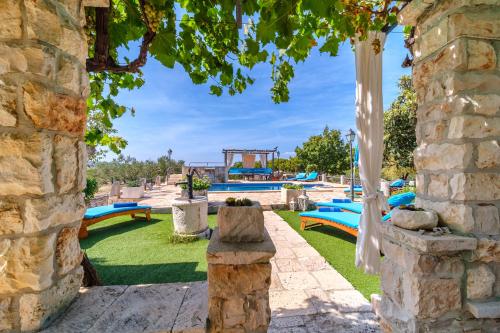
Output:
(326, 153)
(204, 38)
(399, 132)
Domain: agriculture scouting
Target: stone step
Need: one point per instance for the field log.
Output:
(156, 308)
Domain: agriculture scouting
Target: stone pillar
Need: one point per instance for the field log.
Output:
(456, 74)
(239, 274)
(43, 88)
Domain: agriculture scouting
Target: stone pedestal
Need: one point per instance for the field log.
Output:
(287, 195)
(239, 277)
(190, 216)
(431, 283)
(241, 224)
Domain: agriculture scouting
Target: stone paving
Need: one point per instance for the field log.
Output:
(306, 295)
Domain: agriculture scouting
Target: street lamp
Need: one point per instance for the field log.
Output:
(169, 152)
(350, 138)
(278, 154)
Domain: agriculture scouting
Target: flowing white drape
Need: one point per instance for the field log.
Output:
(263, 160)
(370, 125)
(229, 164)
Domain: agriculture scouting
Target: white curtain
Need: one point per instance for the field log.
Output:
(370, 134)
(229, 164)
(263, 160)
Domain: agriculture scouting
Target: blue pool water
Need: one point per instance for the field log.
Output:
(244, 187)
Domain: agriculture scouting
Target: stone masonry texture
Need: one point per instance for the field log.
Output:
(43, 91)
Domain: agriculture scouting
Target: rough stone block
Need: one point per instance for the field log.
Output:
(38, 310)
(475, 127)
(82, 165)
(10, 19)
(487, 105)
(496, 268)
(488, 154)
(40, 214)
(54, 111)
(11, 221)
(432, 131)
(219, 252)
(25, 161)
(463, 82)
(443, 156)
(74, 43)
(26, 263)
(65, 156)
(431, 41)
(7, 313)
(427, 243)
(431, 297)
(68, 252)
(489, 309)
(8, 103)
(480, 281)
(487, 220)
(456, 216)
(68, 74)
(42, 22)
(475, 186)
(481, 55)
(488, 250)
(438, 186)
(241, 224)
(238, 297)
(414, 220)
(95, 3)
(484, 24)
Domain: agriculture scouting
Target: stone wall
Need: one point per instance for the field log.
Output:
(43, 87)
(456, 75)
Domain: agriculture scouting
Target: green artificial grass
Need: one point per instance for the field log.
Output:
(339, 249)
(128, 251)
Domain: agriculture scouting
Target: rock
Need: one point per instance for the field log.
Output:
(473, 24)
(40, 214)
(241, 224)
(475, 186)
(456, 216)
(10, 19)
(442, 156)
(82, 166)
(54, 111)
(414, 220)
(39, 310)
(42, 22)
(488, 154)
(487, 220)
(66, 162)
(481, 55)
(480, 280)
(487, 105)
(68, 74)
(8, 102)
(438, 186)
(224, 253)
(467, 126)
(68, 252)
(7, 313)
(26, 163)
(190, 216)
(10, 217)
(488, 250)
(484, 309)
(26, 263)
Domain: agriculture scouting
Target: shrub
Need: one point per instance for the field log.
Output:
(91, 189)
(293, 186)
(233, 202)
(133, 183)
(199, 184)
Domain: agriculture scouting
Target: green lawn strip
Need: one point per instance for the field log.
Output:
(339, 249)
(128, 251)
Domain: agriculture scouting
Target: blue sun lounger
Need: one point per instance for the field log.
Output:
(101, 213)
(357, 207)
(311, 177)
(347, 222)
(299, 176)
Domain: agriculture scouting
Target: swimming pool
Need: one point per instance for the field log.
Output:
(245, 187)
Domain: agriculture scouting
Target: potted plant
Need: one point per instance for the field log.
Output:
(90, 190)
(133, 190)
(200, 187)
(241, 220)
(290, 192)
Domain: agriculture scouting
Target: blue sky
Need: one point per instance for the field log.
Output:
(172, 112)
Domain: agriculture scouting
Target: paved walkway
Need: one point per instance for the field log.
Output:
(307, 295)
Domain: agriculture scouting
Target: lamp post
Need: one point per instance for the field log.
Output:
(169, 154)
(278, 154)
(350, 138)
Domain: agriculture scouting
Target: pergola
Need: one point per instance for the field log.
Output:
(251, 153)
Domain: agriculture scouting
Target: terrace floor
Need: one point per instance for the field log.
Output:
(306, 295)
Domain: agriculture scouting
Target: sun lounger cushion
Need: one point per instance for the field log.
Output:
(329, 209)
(355, 207)
(401, 199)
(341, 200)
(94, 212)
(347, 219)
(397, 183)
(124, 204)
(250, 171)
